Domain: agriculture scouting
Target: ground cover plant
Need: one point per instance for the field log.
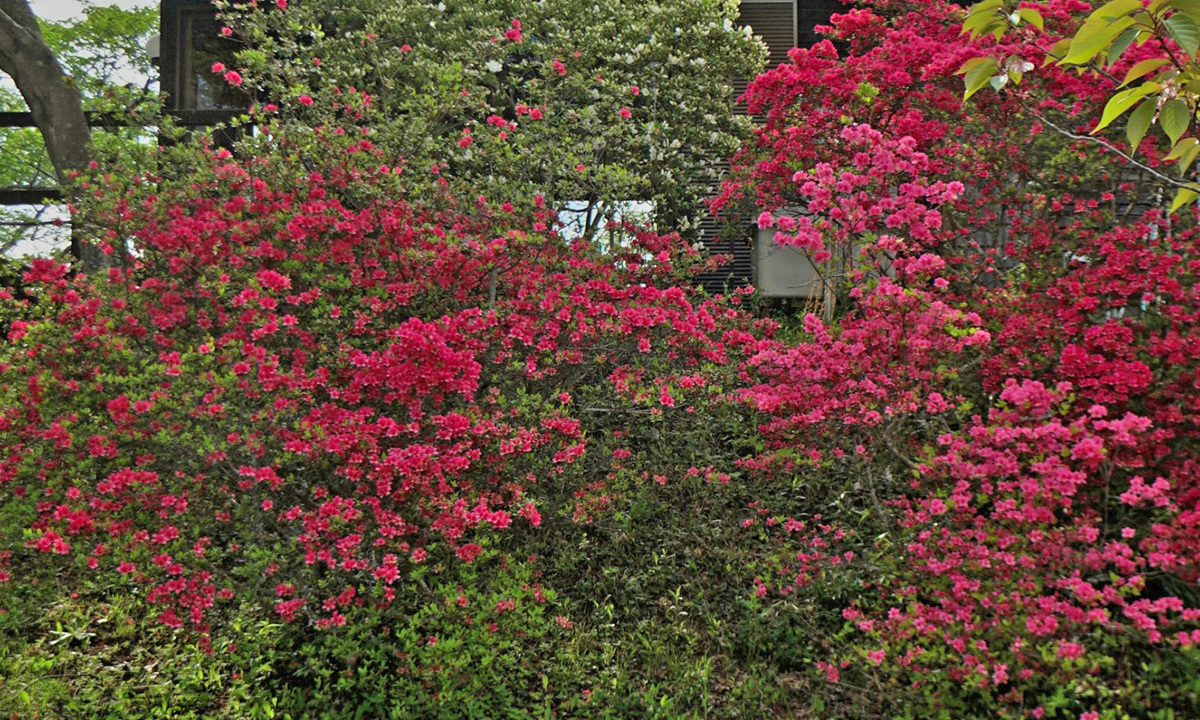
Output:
(347, 434)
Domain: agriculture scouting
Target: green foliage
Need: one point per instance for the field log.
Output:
(439, 71)
(1164, 89)
(96, 655)
(103, 50)
(465, 653)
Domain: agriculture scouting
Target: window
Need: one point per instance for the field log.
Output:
(592, 221)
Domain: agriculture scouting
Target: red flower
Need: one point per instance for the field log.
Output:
(467, 553)
(514, 33)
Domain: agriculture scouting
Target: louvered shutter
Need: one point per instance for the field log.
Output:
(775, 22)
(812, 13)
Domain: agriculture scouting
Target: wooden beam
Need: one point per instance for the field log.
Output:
(41, 195)
(30, 196)
(187, 118)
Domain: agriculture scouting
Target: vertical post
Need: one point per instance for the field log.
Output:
(170, 29)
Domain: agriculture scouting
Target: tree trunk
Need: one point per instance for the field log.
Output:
(55, 103)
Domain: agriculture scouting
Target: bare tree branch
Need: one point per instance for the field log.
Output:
(1112, 149)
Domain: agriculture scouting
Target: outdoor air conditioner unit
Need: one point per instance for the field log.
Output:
(783, 272)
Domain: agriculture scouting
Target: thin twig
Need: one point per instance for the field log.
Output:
(1108, 146)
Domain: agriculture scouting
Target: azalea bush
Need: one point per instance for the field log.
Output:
(355, 425)
(312, 393)
(1006, 382)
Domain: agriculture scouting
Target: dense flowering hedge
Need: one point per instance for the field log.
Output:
(1013, 376)
(288, 394)
(322, 370)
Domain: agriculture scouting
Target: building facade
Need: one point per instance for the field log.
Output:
(782, 25)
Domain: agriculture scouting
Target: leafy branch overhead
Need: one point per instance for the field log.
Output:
(1146, 52)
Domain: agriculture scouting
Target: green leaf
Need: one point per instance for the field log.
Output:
(1032, 17)
(1143, 68)
(1123, 41)
(978, 76)
(1188, 7)
(1139, 122)
(982, 13)
(1115, 8)
(1182, 147)
(985, 6)
(1175, 117)
(1122, 101)
(1094, 37)
(1185, 152)
(972, 63)
(980, 17)
(1185, 196)
(1185, 31)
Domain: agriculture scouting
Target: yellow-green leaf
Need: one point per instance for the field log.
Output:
(1185, 152)
(980, 16)
(1122, 101)
(1139, 122)
(1185, 196)
(1033, 17)
(1175, 116)
(977, 77)
(972, 63)
(1094, 37)
(983, 7)
(1182, 147)
(1115, 8)
(1187, 158)
(1143, 68)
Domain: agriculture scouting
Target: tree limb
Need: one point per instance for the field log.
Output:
(53, 100)
(1111, 148)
